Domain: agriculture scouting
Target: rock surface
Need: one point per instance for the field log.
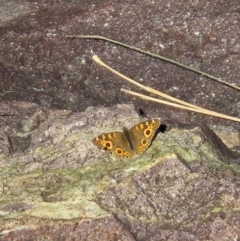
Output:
(57, 184)
(54, 184)
(40, 65)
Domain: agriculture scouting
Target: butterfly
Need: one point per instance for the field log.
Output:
(129, 142)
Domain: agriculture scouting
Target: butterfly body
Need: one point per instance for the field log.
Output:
(129, 142)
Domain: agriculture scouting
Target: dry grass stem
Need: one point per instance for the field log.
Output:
(182, 104)
(149, 89)
(202, 111)
(155, 56)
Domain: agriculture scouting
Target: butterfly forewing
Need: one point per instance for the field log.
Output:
(142, 134)
(114, 142)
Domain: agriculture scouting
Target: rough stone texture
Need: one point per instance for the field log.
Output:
(59, 186)
(54, 184)
(38, 64)
(107, 228)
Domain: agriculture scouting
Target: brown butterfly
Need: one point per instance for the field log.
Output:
(131, 141)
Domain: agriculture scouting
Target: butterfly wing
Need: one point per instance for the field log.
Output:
(141, 135)
(114, 142)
